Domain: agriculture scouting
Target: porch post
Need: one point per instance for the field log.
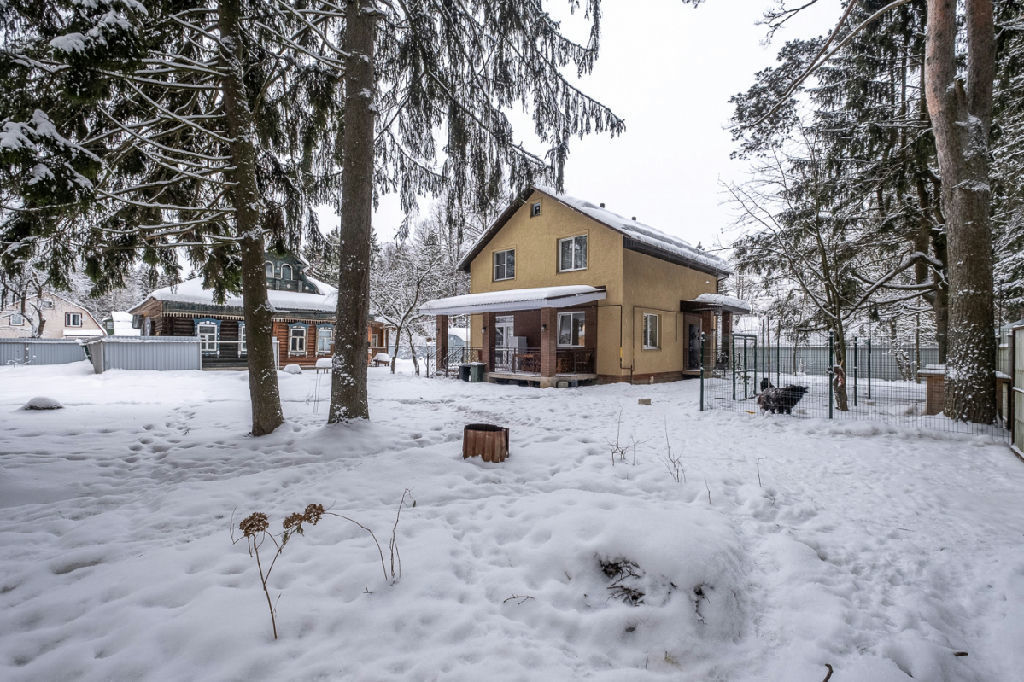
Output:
(548, 343)
(487, 346)
(441, 343)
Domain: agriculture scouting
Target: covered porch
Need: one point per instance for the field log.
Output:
(545, 336)
(715, 315)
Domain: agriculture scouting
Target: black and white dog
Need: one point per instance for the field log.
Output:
(779, 400)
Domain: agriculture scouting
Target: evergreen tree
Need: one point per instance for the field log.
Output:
(425, 69)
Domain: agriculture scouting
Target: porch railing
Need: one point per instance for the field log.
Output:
(527, 360)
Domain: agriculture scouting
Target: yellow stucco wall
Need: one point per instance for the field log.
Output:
(636, 283)
(656, 286)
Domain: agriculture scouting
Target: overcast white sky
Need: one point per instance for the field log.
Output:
(669, 70)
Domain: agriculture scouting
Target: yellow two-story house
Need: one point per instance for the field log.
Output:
(565, 291)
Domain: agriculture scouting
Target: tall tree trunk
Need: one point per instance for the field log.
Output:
(348, 373)
(961, 119)
(839, 362)
(398, 336)
(263, 390)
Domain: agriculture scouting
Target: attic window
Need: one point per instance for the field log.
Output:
(286, 272)
(535, 209)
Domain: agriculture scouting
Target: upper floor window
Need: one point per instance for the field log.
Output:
(572, 253)
(652, 323)
(72, 319)
(286, 272)
(535, 209)
(504, 265)
(270, 270)
(17, 319)
(45, 304)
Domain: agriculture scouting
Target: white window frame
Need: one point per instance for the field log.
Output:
(575, 267)
(69, 319)
(46, 304)
(208, 343)
(242, 349)
(20, 320)
(269, 266)
(330, 338)
(571, 316)
(647, 331)
(535, 209)
(289, 277)
(293, 337)
(504, 266)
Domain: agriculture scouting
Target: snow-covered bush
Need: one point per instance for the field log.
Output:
(293, 369)
(42, 403)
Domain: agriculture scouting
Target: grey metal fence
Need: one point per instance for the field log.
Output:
(145, 352)
(1017, 393)
(40, 352)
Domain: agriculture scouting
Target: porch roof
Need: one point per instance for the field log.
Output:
(717, 302)
(511, 300)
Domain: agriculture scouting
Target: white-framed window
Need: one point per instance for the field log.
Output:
(535, 209)
(17, 319)
(270, 270)
(208, 332)
(572, 253)
(46, 304)
(242, 350)
(72, 319)
(504, 264)
(297, 340)
(652, 331)
(324, 337)
(572, 330)
(286, 272)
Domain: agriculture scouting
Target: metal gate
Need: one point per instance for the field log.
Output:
(744, 366)
(1017, 394)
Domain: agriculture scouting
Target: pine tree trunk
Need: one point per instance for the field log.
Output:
(348, 373)
(263, 390)
(961, 120)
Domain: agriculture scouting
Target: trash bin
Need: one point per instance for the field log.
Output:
(464, 371)
(476, 371)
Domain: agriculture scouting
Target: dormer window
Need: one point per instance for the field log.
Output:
(286, 272)
(270, 270)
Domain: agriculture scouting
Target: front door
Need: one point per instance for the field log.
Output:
(503, 325)
(693, 330)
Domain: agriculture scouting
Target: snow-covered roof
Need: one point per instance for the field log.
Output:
(731, 303)
(193, 291)
(514, 299)
(639, 237)
(123, 324)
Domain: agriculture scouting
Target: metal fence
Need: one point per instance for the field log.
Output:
(40, 351)
(860, 380)
(145, 352)
(1017, 391)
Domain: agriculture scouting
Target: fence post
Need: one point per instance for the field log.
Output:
(732, 361)
(831, 372)
(778, 362)
(703, 336)
(869, 368)
(756, 386)
(856, 371)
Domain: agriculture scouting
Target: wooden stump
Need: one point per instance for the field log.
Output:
(487, 440)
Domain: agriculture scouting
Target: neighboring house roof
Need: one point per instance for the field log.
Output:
(193, 291)
(636, 235)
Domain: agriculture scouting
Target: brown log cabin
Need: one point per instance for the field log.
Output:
(304, 317)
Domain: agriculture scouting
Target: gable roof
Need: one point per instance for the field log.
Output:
(636, 235)
(192, 291)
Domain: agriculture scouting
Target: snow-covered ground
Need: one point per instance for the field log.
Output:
(792, 544)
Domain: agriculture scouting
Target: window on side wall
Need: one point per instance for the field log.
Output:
(504, 265)
(72, 319)
(297, 341)
(270, 270)
(17, 320)
(572, 253)
(242, 350)
(652, 325)
(286, 272)
(572, 330)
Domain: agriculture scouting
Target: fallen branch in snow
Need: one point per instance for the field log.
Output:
(830, 671)
(709, 490)
(255, 528)
(519, 599)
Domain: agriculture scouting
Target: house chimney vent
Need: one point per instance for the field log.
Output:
(602, 204)
(633, 218)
